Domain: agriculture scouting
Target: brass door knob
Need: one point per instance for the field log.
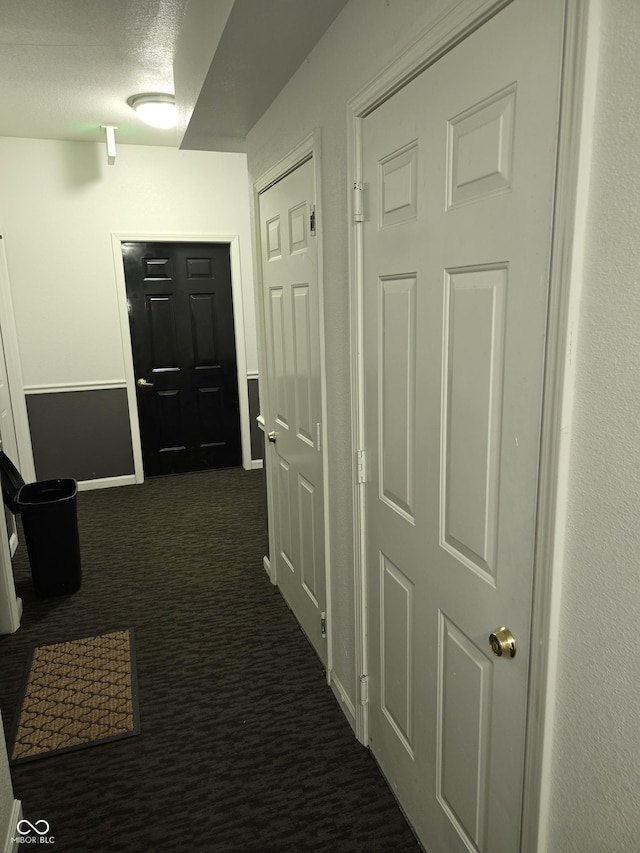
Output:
(142, 383)
(503, 643)
(272, 436)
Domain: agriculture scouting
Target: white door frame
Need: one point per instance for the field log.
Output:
(233, 241)
(307, 149)
(574, 150)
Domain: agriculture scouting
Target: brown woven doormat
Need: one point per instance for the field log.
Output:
(77, 694)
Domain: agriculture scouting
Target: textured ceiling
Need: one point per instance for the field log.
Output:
(68, 66)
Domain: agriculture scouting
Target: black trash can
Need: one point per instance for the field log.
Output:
(50, 523)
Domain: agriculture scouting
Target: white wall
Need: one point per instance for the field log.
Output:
(595, 773)
(595, 765)
(366, 35)
(59, 204)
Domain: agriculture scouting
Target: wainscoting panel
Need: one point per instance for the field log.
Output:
(257, 436)
(81, 434)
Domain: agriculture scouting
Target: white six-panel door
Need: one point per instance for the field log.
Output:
(458, 170)
(294, 459)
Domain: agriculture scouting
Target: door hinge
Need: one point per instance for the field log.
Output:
(361, 466)
(364, 689)
(318, 437)
(312, 219)
(323, 626)
(358, 202)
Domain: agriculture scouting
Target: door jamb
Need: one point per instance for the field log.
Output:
(575, 139)
(568, 242)
(307, 149)
(233, 241)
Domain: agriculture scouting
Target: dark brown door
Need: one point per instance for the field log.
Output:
(183, 340)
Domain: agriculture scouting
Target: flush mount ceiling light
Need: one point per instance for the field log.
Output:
(155, 108)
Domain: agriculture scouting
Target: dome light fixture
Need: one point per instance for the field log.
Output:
(155, 108)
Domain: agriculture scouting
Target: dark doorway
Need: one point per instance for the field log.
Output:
(184, 355)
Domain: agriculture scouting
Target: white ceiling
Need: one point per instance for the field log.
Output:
(68, 66)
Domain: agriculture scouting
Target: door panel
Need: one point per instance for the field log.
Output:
(464, 731)
(459, 168)
(396, 393)
(473, 357)
(290, 293)
(308, 540)
(278, 355)
(302, 367)
(397, 651)
(182, 335)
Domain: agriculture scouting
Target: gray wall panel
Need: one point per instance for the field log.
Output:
(257, 436)
(81, 434)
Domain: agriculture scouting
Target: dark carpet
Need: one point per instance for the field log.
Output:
(243, 746)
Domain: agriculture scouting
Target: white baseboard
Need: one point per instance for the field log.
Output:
(13, 543)
(341, 695)
(257, 463)
(106, 482)
(266, 562)
(11, 843)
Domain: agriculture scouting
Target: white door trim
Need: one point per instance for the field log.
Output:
(578, 92)
(580, 65)
(233, 241)
(307, 149)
